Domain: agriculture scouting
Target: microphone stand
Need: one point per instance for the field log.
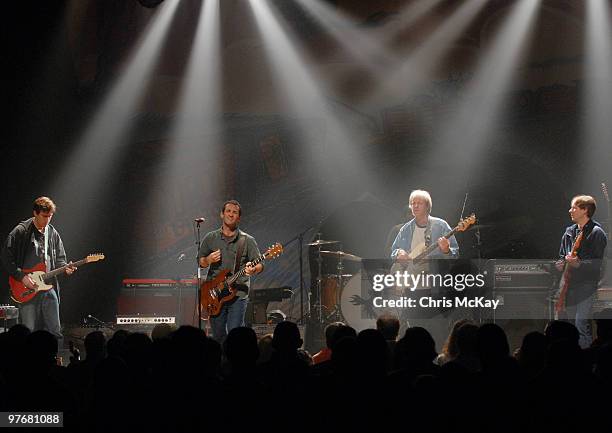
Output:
(199, 275)
(300, 238)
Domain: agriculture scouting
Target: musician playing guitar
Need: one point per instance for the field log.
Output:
(581, 266)
(416, 235)
(414, 238)
(31, 243)
(218, 251)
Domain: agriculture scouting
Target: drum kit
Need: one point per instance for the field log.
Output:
(334, 272)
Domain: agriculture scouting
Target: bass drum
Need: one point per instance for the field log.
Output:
(356, 304)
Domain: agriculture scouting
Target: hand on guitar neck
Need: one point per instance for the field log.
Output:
(443, 245)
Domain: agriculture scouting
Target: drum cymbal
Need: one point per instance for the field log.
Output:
(341, 255)
(321, 242)
(336, 276)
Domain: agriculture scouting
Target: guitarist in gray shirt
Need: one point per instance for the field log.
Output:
(218, 251)
(33, 241)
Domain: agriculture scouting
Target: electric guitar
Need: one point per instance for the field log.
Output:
(606, 270)
(565, 277)
(219, 291)
(417, 257)
(20, 293)
(420, 252)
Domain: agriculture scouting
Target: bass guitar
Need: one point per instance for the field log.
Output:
(565, 277)
(420, 252)
(220, 290)
(20, 293)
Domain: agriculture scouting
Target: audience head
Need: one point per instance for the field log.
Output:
(557, 330)
(450, 346)
(416, 347)
(95, 345)
(492, 344)
(162, 330)
(340, 333)
(330, 331)
(388, 325)
(241, 346)
(265, 348)
(286, 337)
(41, 350)
(372, 350)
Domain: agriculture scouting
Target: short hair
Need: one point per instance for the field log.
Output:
(419, 193)
(388, 325)
(44, 204)
(330, 330)
(585, 202)
(234, 202)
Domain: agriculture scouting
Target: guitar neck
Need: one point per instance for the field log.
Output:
(242, 271)
(434, 245)
(58, 271)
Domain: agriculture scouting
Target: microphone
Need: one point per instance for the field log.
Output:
(96, 319)
(199, 220)
(181, 257)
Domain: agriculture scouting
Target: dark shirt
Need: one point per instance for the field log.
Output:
(590, 253)
(18, 246)
(229, 247)
(20, 239)
(35, 251)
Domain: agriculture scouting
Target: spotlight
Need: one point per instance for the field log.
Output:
(150, 3)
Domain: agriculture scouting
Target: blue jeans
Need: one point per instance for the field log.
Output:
(42, 313)
(580, 312)
(231, 316)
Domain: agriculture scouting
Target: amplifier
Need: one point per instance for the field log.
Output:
(8, 312)
(262, 330)
(178, 302)
(144, 320)
(521, 274)
(522, 304)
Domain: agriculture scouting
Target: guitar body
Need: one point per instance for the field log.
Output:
(214, 294)
(20, 293)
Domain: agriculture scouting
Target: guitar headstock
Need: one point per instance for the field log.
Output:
(604, 190)
(94, 257)
(465, 223)
(273, 251)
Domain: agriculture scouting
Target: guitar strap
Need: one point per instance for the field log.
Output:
(239, 251)
(47, 255)
(428, 233)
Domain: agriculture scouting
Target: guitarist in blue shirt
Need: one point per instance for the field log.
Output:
(582, 270)
(417, 234)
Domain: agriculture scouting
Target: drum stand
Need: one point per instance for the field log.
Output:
(335, 315)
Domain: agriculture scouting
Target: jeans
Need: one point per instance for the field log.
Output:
(580, 312)
(231, 316)
(42, 313)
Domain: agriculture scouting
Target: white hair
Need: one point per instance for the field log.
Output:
(420, 194)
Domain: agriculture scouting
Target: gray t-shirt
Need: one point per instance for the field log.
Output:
(229, 247)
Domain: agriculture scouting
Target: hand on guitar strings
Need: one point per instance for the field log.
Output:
(70, 269)
(444, 245)
(572, 261)
(250, 269)
(29, 283)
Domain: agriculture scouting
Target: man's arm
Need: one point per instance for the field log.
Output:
(399, 244)
(252, 254)
(206, 256)
(8, 255)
